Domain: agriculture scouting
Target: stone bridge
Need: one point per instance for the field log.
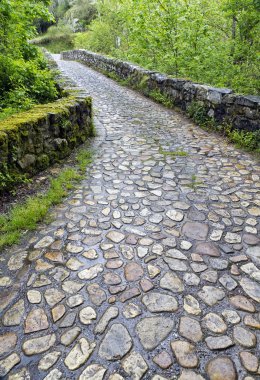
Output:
(150, 269)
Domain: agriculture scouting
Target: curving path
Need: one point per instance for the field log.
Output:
(151, 268)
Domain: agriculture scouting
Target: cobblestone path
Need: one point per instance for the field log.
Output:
(151, 267)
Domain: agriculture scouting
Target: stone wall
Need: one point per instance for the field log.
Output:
(222, 105)
(31, 141)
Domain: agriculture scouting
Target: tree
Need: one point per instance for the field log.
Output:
(210, 41)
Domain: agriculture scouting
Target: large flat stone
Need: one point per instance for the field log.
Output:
(211, 295)
(115, 237)
(53, 296)
(221, 368)
(219, 342)
(170, 281)
(7, 342)
(116, 343)
(13, 316)
(185, 353)
(93, 372)
(8, 363)
(254, 254)
(157, 302)
(135, 365)
(39, 345)
(190, 329)
(79, 354)
(91, 273)
(153, 330)
(195, 230)
(251, 288)
(208, 249)
(36, 320)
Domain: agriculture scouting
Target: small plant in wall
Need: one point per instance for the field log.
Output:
(160, 98)
(198, 112)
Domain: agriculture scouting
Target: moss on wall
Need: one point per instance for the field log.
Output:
(31, 141)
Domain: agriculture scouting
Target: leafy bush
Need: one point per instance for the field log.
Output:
(9, 180)
(247, 140)
(99, 38)
(25, 83)
(210, 41)
(24, 77)
(198, 113)
(58, 38)
(81, 13)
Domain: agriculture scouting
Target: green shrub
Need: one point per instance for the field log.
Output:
(10, 179)
(24, 83)
(99, 38)
(160, 98)
(199, 114)
(57, 39)
(247, 140)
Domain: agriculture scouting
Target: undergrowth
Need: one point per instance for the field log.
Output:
(25, 217)
(57, 39)
(160, 98)
(249, 141)
(8, 180)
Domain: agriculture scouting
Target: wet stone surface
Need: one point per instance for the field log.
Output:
(144, 272)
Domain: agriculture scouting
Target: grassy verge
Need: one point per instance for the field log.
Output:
(55, 46)
(26, 216)
(57, 39)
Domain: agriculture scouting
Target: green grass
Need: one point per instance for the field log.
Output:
(249, 141)
(194, 183)
(84, 158)
(57, 46)
(56, 40)
(26, 216)
(176, 153)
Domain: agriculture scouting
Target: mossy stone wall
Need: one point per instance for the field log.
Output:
(222, 105)
(33, 140)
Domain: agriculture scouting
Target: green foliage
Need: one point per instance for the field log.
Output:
(247, 140)
(84, 158)
(99, 38)
(24, 217)
(78, 14)
(58, 38)
(84, 11)
(24, 77)
(10, 179)
(199, 114)
(209, 41)
(160, 98)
